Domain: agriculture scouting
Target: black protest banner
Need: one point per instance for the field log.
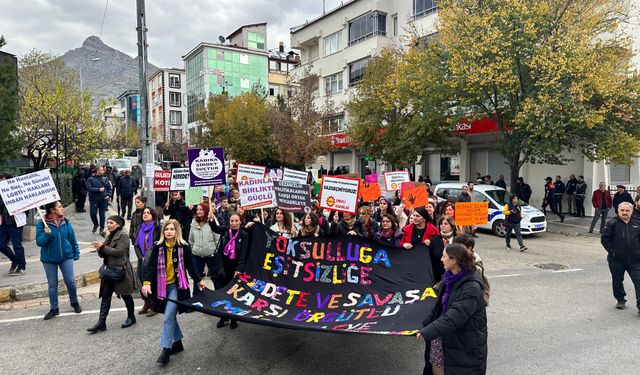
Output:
(340, 284)
(291, 196)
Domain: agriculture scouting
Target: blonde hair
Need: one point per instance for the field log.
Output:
(177, 227)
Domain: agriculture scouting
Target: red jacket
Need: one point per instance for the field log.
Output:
(430, 231)
(596, 199)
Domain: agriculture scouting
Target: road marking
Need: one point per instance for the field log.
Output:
(88, 312)
(500, 276)
(569, 270)
(36, 259)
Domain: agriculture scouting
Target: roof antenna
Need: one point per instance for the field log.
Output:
(324, 2)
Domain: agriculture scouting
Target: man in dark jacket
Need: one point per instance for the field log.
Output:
(581, 194)
(523, 190)
(126, 187)
(571, 194)
(501, 182)
(549, 199)
(601, 201)
(558, 192)
(79, 190)
(99, 189)
(622, 195)
(621, 239)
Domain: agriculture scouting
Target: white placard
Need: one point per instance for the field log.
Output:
(393, 180)
(250, 172)
(257, 193)
(23, 193)
(291, 175)
(179, 179)
(339, 194)
(149, 168)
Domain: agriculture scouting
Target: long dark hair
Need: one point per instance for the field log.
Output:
(462, 255)
(286, 219)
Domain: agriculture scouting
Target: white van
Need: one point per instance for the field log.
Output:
(533, 220)
(121, 164)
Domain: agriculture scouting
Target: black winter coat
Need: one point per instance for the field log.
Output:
(463, 327)
(524, 192)
(151, 275)
(619, 198)
(79, 185)
(621, 240)
(242, 244)
(436, 248)
(342, 228)
(127, 186)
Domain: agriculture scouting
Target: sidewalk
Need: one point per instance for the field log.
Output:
(574, 226)
(33, 283)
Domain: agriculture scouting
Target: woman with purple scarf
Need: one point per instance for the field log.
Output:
(456, 332)
(234, 246)
(148, 233)
(166, 278)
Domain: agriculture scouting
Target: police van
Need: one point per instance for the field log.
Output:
(533, 220)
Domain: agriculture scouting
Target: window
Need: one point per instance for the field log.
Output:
(175, 117)
(244, 83)
(256, 40)
(366, 26)
(422, 8)
(244, 59)
(333, 43)
(335, 125)
(274, 90)
(333, 83)
(174, 81)
(395, 25)
(175, 99)
(175, 136)
(356, 71)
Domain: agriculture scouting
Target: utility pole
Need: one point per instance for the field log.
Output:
(147, 146)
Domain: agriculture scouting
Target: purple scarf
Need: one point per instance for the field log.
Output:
(230, 248)
(146, 231)
(449, 280)
(162, 273)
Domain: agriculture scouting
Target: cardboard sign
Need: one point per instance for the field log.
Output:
(275, 174)
(206, 166)
(250, 172)
(406, 186)
(291, 196)
(472, 213)
(193, 196)
(180, 179)
(291, 175)
(393, 180)
(371, 178)
(370, 192)
(31, 190)
(161, 180)
(257, 193)
(416, 197)
(149, 168)
(339, 194)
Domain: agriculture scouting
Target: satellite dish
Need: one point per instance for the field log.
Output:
(221, 39)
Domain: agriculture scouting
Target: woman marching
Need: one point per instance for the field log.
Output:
(420, 230)
(447, 228)
(115, 254)
(204, 244)
(283, 224)
(58, 250)
(234, 246)
(388, 234)
(311, 226)
(456, 333)
(147, 234)
(166, 278)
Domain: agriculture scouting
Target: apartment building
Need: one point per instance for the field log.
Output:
(167, 108)
(281, 64)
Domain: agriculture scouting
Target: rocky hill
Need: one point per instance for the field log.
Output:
(106, 72)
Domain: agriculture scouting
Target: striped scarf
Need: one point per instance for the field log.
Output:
(162, 273)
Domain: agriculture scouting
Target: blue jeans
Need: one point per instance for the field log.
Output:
(601, 213)
(617, 269)
(51, 270)
(98, 208)
(170, 328)
(9, 232)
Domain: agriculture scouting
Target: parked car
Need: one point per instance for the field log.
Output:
(533, 220)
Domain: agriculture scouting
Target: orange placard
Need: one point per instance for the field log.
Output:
(416, 197)
(472, 213)
(370, 192)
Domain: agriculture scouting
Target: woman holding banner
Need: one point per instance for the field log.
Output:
(348, 225)
(283, 224)
(384, 207)
(311, 226)
(420, 230)
(146, 235)
(204, 244)
(388, 234)
(166, 278)
(456, 332)
(234, 248)
(58, 250)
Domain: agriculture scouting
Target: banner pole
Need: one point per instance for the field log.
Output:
(262, 215)
(209, 195)
(42, 217)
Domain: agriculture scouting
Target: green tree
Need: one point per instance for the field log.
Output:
(8, 110)
(171, 151)
(238, 124)
(49, 94)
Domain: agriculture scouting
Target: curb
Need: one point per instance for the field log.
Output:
(41, 290)
(571, 233)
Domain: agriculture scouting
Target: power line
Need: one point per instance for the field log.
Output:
(104, 16)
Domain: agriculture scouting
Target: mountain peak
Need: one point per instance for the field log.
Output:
(92, 41)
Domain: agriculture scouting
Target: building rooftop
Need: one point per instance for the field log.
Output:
(343, 4)
(221, 46)
(245, 26)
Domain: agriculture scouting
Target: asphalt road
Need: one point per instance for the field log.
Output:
(540, 322)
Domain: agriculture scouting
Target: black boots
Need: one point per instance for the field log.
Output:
(176, 347)
(164, 356)
(52, 313)
(234, 324)
(105, 305)
(131, 318)
(76, 307)
(221, 322)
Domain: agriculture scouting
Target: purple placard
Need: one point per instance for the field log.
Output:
(206, 166)
(371, 178)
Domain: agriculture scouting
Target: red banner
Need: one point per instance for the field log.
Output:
(161, 180)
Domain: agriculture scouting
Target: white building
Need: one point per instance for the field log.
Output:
(337, 46)
(167, 106)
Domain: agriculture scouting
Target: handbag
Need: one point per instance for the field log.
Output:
(111, 273)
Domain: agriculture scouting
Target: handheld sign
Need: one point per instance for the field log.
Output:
(472, 213)
(393, 180)
(416, 197)
(257, 193)
(340, 194)
(298, 177)
(161, 180)
(291, 196)
(250, 172)
(193, 196)
(180, 179)
(25, 192)
(149, 168)
(371, 178)
(206, 166)
(370, 192)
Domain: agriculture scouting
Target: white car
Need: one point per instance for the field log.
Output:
(533, 220)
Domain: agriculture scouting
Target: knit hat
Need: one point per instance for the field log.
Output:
(423, 212)
(117, 219)
(549, 179)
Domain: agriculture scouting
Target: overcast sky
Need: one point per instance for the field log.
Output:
(175, 27)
